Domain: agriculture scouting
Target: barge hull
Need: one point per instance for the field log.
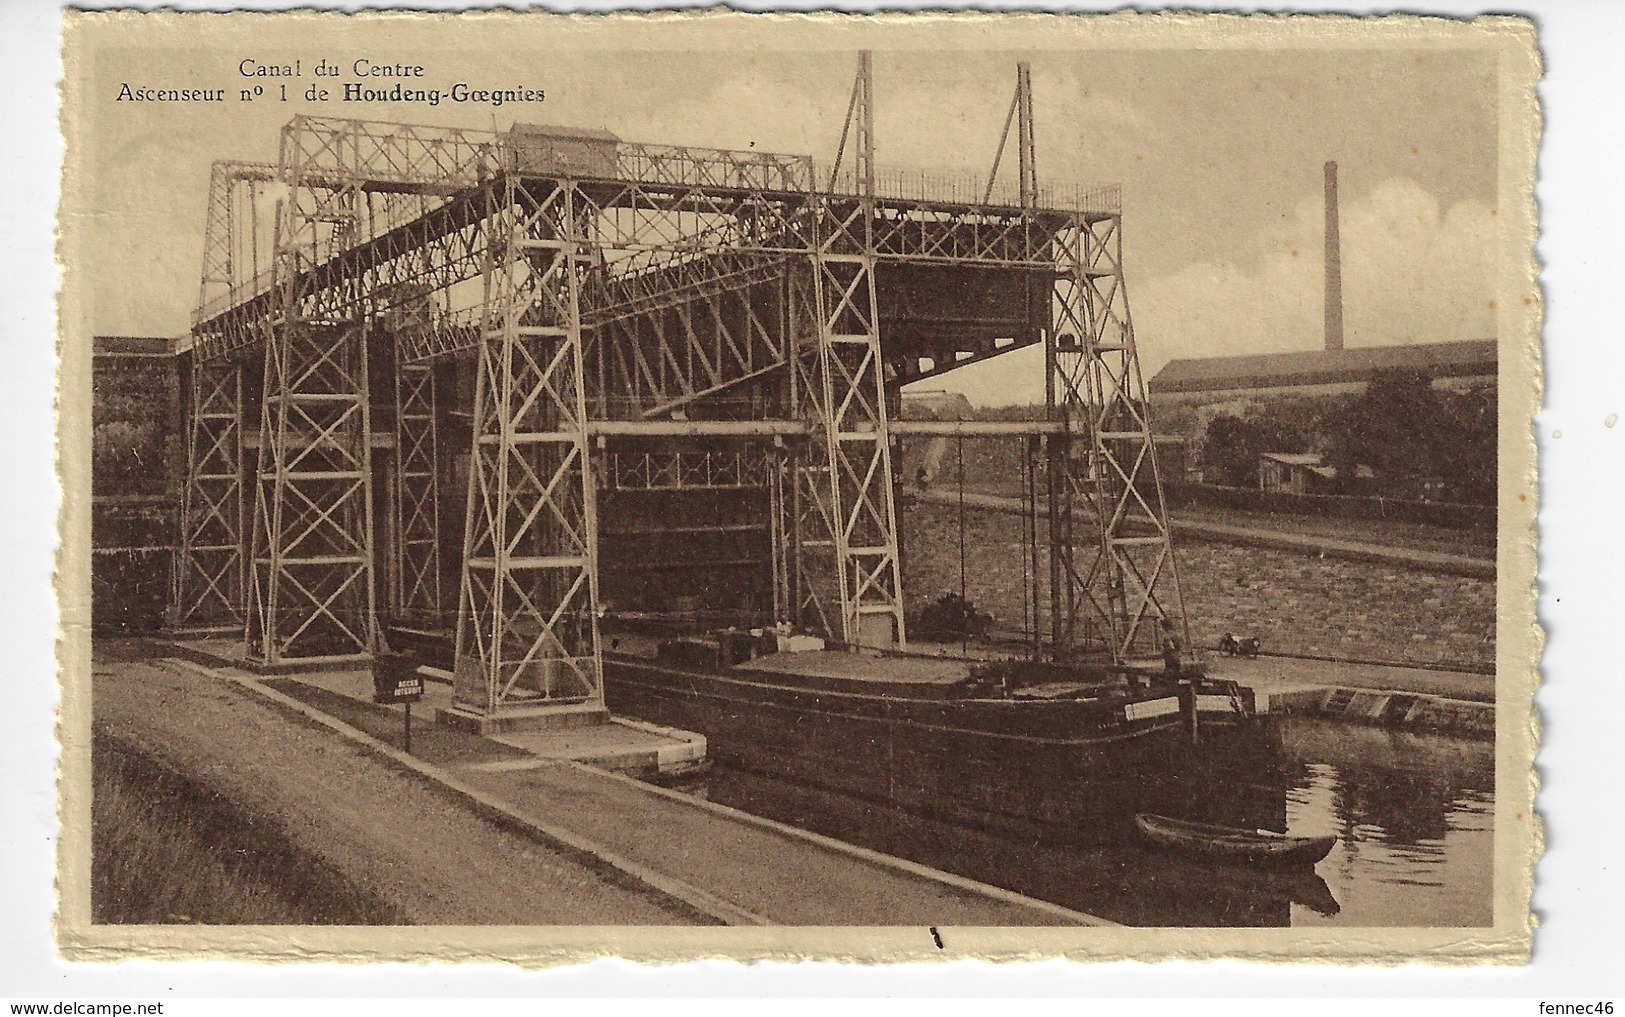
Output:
(1020, 767)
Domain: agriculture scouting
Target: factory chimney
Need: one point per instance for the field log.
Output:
(1334, 264)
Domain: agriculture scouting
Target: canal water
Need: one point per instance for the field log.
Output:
(1412, 814)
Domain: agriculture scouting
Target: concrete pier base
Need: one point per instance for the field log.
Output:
(516, 719)
(581, 733)
(619, 745)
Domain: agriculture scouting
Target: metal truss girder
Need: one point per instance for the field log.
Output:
(722, 332)
(527, 632)
(710, 469)
(208, 575)
(1128, 584)
(724, 271)
(408, 155)
(654, 226)
(1010, 237)
(311, 578)
(711, 167)
(443, 245)
(662, 204)
(230, 244)
(389, 155)
(417, 245)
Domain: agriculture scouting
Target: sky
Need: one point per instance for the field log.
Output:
(1219, 152)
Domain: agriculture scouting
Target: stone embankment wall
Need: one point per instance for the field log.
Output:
(1297, 603)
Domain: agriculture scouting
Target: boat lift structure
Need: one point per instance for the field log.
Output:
(446, 333)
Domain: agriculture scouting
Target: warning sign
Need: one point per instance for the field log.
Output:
(396, 680)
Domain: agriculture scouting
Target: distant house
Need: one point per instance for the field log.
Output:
(1201, 380)
(1294, 473)
(1300, 473)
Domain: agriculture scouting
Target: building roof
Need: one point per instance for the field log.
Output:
(561, 131)
(1307, 460)
(1311, 461)
(1324, 367)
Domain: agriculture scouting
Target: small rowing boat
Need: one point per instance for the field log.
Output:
(1233, 844)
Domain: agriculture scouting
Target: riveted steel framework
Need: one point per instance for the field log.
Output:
(310, 575)
(851, 580)
(527, 631)
(1118, 596)
(654, 283)
(208, 589)
(208, 581)
(416, 596)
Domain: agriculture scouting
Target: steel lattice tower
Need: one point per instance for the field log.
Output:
(527, 626)
(625, 321)
(851, 579)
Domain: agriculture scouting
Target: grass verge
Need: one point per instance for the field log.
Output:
(166, 849)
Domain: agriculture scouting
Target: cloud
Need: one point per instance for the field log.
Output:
(1412, 272)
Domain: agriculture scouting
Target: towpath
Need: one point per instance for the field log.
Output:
(387, 832)
(1441, 562)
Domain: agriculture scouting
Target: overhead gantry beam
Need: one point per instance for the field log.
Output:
(802, 428)
(610, 298)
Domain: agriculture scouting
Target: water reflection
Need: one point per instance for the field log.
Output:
(1412, 814)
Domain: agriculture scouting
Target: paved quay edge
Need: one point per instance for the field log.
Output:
(488, 806)
(696, 898)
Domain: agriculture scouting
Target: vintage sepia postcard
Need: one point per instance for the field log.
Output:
(884, 488)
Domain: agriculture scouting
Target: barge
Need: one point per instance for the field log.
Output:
(1022, 747)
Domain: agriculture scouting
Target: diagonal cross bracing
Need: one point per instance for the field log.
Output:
(713, 324)
(680, 278)
(310, 577)
(416, 596)
(208, 578)
(310, 585)
(1118, 592)
(850, 579)
(527, 628)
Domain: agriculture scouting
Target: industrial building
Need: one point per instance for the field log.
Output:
(1331, 370)
(1204, 380)
(1189, 394)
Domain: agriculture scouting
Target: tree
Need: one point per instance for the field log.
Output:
(1468, 441)
(1395, 427)
(1231, 446)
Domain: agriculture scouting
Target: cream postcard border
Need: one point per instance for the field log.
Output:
(1517, 830)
